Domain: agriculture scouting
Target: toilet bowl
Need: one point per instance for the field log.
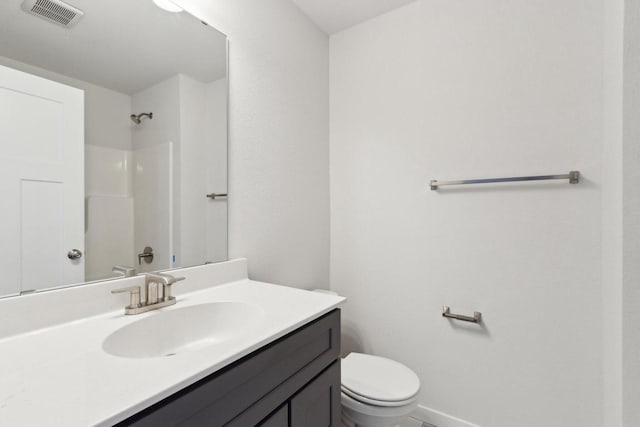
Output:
(376, 392)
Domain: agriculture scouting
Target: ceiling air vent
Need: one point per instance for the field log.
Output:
(55, 11)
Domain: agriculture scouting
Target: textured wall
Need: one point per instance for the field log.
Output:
(631, 266)
(612, 231)
(457, 89)
(278, 138)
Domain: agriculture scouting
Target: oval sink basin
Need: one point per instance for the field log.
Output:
(171, 332)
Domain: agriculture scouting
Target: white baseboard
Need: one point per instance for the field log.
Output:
(439, 419)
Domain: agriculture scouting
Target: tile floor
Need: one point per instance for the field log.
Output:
(412, 422)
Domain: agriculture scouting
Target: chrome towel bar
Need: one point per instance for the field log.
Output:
(573, 177)
(477, 316)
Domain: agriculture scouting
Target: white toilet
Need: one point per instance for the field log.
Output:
(376, 392)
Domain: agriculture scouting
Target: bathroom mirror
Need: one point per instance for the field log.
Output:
(113, 141)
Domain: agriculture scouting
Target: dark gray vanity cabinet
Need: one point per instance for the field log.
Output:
(292, 382)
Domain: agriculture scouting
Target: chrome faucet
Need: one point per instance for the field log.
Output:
(157, 293)
(125, 270)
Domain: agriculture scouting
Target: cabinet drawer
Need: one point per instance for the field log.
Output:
(254, 381)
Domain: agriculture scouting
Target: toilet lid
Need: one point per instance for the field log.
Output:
(378, 379)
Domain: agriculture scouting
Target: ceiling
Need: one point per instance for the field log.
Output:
(122, 45)
(336, 15)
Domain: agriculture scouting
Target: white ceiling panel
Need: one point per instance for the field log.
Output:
(336, 15)
(123, 45)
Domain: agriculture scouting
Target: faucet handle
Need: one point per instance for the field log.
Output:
(162, 278)
(171, 279)
(134, 301)
(167, 286)
(125, 270)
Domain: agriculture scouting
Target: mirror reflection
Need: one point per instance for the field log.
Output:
(113, 152)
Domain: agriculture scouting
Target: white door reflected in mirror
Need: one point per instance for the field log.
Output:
(41, 170)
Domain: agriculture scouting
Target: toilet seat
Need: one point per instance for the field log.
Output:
(352, 405)
(378, 381)
(369, 401)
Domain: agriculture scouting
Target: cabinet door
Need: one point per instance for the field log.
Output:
(280, 418)
(318, 404)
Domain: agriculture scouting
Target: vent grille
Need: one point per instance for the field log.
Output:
(54, 11)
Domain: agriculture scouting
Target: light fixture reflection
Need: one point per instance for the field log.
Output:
(168, 5)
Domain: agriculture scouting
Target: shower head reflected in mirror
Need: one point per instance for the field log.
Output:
(137, 118)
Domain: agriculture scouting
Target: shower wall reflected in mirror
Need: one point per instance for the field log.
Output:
(117, 132)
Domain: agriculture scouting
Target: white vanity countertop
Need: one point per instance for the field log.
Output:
(61, 376)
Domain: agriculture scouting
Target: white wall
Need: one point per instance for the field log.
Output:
(217, 168)
(278, 159)
(163, 100)
(108, 210)
(631, 264)
(446, 89)
(612, 213)
(192, 115)
(108, 171)
(154, 198)
(203, 155)
(193, 167)
(156, 144)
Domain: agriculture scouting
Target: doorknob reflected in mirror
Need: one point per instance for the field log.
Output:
(74, 254)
